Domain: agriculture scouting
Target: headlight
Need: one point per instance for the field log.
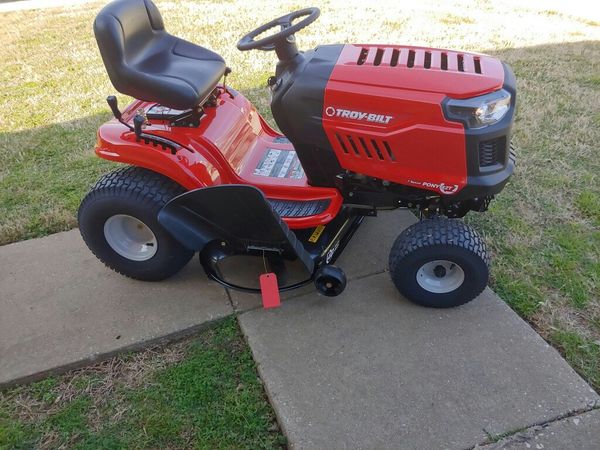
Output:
(479, 112)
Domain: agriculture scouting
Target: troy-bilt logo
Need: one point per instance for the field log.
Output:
(330, 111)
(443, 188)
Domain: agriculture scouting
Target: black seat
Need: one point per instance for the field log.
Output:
(146, 62)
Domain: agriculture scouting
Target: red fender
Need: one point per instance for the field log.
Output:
(225, 148)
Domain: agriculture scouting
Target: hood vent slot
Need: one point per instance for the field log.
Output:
(419, 59)
(395, 56)
(427, 62)
(378, 56)
(376, 147)
(365, 148)
(354, 147)
(461, 63)
(363, 56)
(411, 59)
(389, 151)
(341, 141)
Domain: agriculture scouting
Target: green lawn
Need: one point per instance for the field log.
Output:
(544, 228)
(202, 393)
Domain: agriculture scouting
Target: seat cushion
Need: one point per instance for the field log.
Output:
(146, 62)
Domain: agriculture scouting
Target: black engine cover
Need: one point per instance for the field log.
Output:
(297, 106)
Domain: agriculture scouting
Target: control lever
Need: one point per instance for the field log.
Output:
(112, 102)
(114, 107)
(138, 121)
(227, 72)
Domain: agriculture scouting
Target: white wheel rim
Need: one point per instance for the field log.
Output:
(440, 276)
(130, 237)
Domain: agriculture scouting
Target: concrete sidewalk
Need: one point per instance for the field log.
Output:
(364, 370)
(368, 369)
(60, 307)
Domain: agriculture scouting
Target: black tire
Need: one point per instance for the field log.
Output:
(447, 240)
(139, 193)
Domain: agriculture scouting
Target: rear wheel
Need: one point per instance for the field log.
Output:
(439, 263)
(118, 220)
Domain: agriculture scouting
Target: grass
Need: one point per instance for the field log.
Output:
(543, 229)
(202, 393)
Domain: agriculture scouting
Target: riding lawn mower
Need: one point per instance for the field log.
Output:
(363, 127)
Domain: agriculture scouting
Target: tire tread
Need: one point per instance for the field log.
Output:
(438, 232)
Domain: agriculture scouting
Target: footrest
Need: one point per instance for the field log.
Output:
(298, 208)
(237, 217)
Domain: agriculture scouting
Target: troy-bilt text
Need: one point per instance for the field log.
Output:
(330, 111)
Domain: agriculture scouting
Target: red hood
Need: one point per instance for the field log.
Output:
(454, 74)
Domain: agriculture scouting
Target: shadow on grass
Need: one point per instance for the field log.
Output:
(45, 172)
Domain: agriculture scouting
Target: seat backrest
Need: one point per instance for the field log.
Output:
(123, 28)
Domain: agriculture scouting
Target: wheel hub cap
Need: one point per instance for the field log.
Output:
(439, 271)
(440, 276)
(130, 237)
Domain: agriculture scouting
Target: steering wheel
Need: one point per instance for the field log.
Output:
(282, 37)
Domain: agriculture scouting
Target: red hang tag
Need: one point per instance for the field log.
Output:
(269, 290)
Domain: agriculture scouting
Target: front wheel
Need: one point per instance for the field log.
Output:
(118, 220)
(330, 280)
(439, 263)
